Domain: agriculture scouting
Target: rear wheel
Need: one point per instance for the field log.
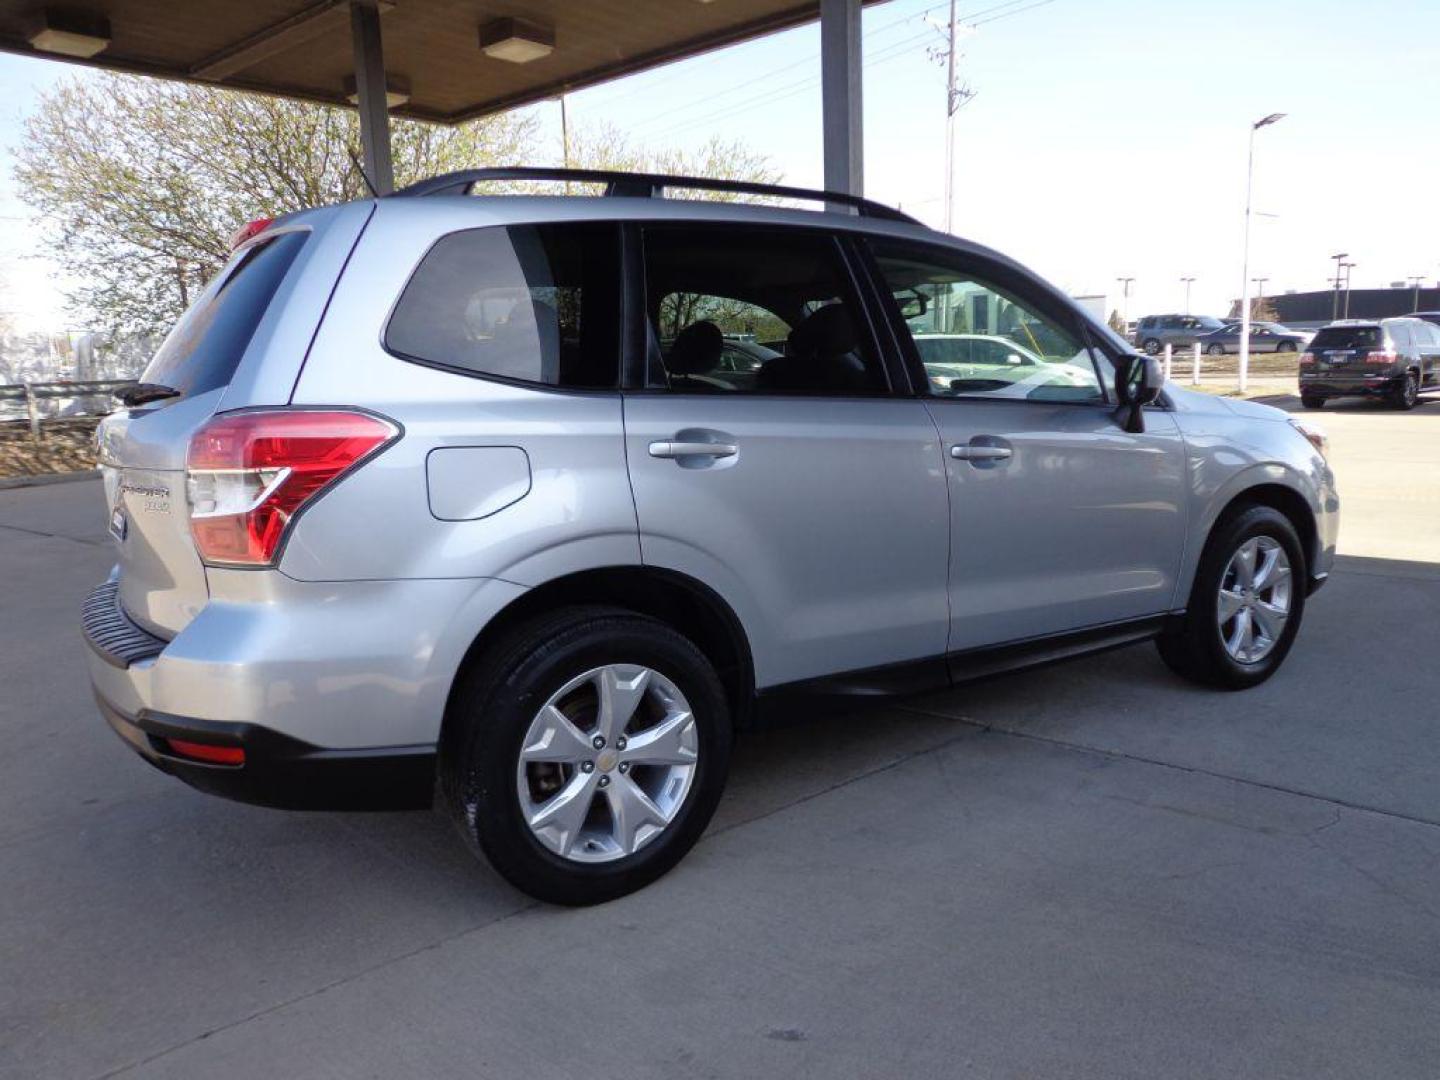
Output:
(586, 753)
(1310, 401)
(1246, 604)
(1285, 346)
(1407, 395)
(1151, 346)
(1215, 350)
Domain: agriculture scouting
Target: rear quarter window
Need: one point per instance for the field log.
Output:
(205, 346)
(527, 303)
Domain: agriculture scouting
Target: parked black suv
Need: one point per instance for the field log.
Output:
(1397, 359)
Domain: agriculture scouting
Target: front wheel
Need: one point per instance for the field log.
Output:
(1285, 346)
(586, 753)
(1246, 604)
(1215, 350)
(1311, 401)
(1151, 347)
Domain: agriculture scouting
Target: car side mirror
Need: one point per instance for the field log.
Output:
(1138, 382)
(1013, 359)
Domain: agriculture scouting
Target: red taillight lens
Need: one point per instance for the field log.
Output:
(249, 473)
(249, 229)
(206, 752)
(1386, 356)
(1307, 358)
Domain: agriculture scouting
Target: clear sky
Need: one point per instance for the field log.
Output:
(1106, 138)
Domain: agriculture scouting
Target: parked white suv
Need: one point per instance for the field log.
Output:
(438, 487)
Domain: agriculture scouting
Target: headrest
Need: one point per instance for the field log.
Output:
(696, 349)
(826, 332)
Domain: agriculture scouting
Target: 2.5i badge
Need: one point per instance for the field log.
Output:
(117, 524)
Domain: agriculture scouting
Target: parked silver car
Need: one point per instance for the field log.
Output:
(444, 492)
(1264, 337)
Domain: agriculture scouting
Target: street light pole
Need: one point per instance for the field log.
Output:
(1339, 258)
(1187, 281)
(1415, 280)
(1264, 121)
(1347, 267)
(1125, 283)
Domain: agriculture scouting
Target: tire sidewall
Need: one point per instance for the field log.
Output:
(1250, 523)
(491, 754)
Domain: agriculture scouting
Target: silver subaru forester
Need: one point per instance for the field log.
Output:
(526, 503)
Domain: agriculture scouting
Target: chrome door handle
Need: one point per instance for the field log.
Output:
(669, 449)
(980, 453)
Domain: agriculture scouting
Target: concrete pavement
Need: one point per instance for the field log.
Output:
(1093, 870)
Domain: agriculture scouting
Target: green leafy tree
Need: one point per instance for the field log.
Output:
(142, 182)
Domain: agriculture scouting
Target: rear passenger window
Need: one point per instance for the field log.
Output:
(754, 310)
(531, 303)
(203, 350)
(1400, 335)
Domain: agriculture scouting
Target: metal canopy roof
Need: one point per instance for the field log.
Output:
(303, 48)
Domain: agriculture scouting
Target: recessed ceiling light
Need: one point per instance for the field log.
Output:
(69, 33)
(397, 90)
(515, 40)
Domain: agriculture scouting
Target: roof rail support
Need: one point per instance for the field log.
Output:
(642, 185)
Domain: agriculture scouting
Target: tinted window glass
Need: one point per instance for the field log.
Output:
(203, 350)
(977, 339)
(782, 296)
(534, 303)
(1347, 337)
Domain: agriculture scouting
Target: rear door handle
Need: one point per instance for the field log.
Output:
(670, 449)
(971, 452)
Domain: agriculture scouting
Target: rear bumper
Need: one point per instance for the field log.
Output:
(280, 771)
(1351, 386)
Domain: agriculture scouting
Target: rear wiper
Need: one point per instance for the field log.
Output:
(144, 393)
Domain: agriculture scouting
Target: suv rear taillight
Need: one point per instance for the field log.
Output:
(1381, 356)
(249, 473)
(1307, 358)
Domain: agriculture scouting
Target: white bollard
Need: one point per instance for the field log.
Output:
(1169, 359)
(1195, 372)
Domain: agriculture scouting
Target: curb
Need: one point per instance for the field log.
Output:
(8, 483)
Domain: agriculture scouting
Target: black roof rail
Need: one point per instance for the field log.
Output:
(642, 185)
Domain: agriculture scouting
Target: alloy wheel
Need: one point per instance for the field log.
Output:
(1255, 597)
(607, 763)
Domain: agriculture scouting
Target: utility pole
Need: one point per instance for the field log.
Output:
(1188, 281)
(955, 96)
(1339, 258)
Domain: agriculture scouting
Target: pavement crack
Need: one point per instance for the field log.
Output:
(326, 988)
(1141, 759)
(52, 536)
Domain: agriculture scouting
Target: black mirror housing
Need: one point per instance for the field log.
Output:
(1138, 382)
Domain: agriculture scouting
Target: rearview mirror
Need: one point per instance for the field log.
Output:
(913, 304)
(1138, 382)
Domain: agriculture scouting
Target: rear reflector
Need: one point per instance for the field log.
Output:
(249, 473)
(206, 752)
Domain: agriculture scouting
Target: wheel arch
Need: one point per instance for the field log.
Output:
(688, 606)
(1288, 501)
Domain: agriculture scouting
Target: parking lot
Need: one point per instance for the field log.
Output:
(1093, 870)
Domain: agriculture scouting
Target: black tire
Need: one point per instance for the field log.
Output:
(492, 708)
(1151, 346)
(1285, 346)
(1193, 647)
(1311, 402)
(1215, 350)
(1407, 395)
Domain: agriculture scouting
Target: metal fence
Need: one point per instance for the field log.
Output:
(84, 399)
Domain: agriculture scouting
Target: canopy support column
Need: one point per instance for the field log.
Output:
(840, 83)
(370, 89)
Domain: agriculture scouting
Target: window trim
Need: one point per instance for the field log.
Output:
(637, 296)
(508, 380)
(1018, 284)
